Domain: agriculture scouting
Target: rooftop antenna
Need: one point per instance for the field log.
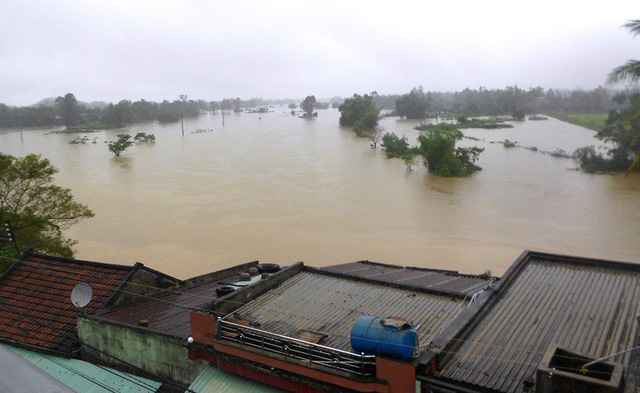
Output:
(81, 295)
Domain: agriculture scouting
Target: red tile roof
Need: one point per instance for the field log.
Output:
(36, 291)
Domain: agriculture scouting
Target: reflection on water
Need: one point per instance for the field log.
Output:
(282, 189)
(124, 163)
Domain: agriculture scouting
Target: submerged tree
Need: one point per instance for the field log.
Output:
(367, 124)
(356, 108)
(121, 144)
(307, 106)
(395, 146)
(442, 157)
(37, 209)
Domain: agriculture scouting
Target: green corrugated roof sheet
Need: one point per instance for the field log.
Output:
(214, 380)
(84, 377)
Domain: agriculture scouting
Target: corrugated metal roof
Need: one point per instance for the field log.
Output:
(85, 377)
(214, 380)
(586, 307)
(330, 305)
(169, 313)
(38, 288)
(417, 277)
(19, 376)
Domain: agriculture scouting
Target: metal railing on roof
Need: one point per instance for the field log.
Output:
(361, 365)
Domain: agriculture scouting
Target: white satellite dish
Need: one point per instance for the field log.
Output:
(81, 295)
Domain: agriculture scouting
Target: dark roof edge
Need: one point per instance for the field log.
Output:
(125, 281)
(79, 261)
(208, 277)
(346, 276)
(445, 344)
(159, 273)
(583, 260)
(367, 262)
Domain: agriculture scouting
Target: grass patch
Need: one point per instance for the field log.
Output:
(592, 121)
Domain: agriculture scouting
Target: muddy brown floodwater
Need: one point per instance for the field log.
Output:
(277, 188)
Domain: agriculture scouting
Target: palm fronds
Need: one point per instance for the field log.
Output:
(633, 26)
(626, 72)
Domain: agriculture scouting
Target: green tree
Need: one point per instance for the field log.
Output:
(367, 124)
(354, 109)
(622, 130)
(629, 72)
(307, 105)
(518, 114)
(121, 144)
(68, 109)
(395, 146)
(413, 105)
(438, 148)
(38, 209)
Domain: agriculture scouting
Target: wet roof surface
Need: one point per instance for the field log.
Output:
(169, 313)
(581, 306)
(330, 305)
(36, 291)
(439, 280)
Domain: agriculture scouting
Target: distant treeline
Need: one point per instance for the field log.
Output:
(72, 113)
(68, 111)
(506, 101)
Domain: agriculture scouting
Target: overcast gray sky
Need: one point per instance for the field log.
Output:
(112, 50)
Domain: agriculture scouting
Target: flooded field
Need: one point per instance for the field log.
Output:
(282, 189)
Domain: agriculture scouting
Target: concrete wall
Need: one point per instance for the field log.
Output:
(155, 353)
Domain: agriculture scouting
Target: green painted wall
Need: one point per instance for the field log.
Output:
(155, 353)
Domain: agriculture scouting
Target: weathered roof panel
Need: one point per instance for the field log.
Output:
(424, 278)
(168, 313)
(19, 376)
(85, 377)
(586, 307)
(214, 380)
(328, 304)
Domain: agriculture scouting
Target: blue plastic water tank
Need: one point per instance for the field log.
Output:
(370, 336)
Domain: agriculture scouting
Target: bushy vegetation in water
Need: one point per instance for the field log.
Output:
(442, 157)
(121, 144)
(356, 108)
(622, 131)
(437, 149)
(396, 147)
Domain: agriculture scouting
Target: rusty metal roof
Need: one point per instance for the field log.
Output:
(36, 290)
(438, 280)
(585, 305)
(329, 304)
(168, 313)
